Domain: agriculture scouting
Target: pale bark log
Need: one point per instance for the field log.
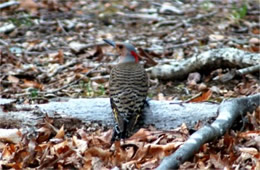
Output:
(212, 59)
(161, 114)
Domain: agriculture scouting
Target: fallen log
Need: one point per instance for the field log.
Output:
(74, 112)
(208, 60)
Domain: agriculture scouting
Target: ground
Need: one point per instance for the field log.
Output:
(52, 49)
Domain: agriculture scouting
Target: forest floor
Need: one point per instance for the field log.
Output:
(53, 49)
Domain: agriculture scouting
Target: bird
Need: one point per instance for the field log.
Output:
(128, 88)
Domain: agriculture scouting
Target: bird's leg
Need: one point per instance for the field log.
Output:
(146, 102)
(116, 133)
(124, 133)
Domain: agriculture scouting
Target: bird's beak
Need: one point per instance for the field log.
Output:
(110, 42)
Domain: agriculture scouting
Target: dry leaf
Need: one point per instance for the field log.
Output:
(29, 5)
(13, 79)
(147, 57)
(60, 134)
(202, 97)
(57, 57)
(31, 83)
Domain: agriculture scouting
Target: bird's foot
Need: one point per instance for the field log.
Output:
(146, 102)
(116, 134)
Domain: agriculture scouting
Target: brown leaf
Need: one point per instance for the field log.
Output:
(60, 134)
(98, 152)
(7, 152)
(147, 57)
(80, 144)
(31, 83)
(256, 30)
(254, 48)
(60, 148)
(157, 151)
(98, 55)
(57, 57)
(216, 161)
(44, 134)
(249, 134)
(106, 137)
(82, 134)
(29, 5)
(149, 164)
(13, 79)
(202, 97)
(202, 87)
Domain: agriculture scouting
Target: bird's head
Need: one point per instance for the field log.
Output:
(126, 51)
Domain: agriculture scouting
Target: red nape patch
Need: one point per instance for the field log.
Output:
(135, 55)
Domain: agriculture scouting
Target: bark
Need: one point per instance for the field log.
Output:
(228, 112)
(74, 112)
(212, 59)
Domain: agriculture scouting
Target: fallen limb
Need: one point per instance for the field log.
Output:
(7, 28)
(212, 59)
(228, 112)
(232, 73)
(146, 17)
(74, 112)
(8, 4)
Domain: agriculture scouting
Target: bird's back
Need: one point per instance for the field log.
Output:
(128, 90)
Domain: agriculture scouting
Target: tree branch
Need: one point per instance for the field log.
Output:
(228, 112)
(216, 58)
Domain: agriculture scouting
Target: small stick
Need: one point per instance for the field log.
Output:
(9, 3)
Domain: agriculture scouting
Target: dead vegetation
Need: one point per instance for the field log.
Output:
(50, 50)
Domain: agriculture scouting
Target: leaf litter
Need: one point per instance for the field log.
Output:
(51, 45)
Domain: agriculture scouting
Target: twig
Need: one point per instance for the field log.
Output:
(200, 16)
(249, 70)
(232, 73)
(61, 26)
(182, 23)
(193, 42)
(9, 3)
(142, 16)
(170, 22)
(4, 43)
(99, 77)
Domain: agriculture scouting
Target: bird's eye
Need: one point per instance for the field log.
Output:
(120, 46)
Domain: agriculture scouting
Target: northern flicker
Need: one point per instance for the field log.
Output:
(128, 86)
